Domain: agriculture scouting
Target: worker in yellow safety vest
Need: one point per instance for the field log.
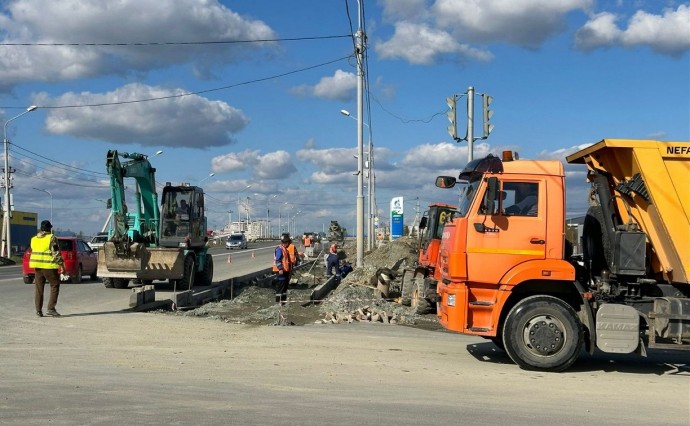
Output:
(47, 262)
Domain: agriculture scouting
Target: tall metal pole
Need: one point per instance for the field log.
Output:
(51, 201)
(470, 124)
(360, 141)
(370, 190)
(6, 248)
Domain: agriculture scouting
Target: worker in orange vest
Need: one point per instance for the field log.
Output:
(282, 266)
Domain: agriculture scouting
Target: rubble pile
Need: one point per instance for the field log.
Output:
(356, 299)
(395, 255)
(364, 314)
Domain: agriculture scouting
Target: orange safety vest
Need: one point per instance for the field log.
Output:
(293, 253)
(307, 242)
(285, 261)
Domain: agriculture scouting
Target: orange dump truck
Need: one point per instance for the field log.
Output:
(507, 272)
(419, 283)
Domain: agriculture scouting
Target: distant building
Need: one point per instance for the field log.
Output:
(23, 226)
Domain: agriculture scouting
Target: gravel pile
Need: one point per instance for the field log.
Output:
(357, 291)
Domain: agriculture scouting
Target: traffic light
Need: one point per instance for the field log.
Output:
(488, 127)
(452, 116)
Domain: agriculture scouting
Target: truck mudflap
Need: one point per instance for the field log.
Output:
(141, 262)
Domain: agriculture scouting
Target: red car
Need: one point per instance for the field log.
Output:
(79, 259)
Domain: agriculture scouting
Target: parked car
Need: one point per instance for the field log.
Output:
(236, 241)
(79, 259)
(98, 241)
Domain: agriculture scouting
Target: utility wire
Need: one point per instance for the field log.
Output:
(49, 160)
(180, 95)
(184, 43)
(68, 183)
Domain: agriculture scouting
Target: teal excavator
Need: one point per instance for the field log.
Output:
(151, 243)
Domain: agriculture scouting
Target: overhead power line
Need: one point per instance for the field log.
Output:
(180, 95)
(183, 43)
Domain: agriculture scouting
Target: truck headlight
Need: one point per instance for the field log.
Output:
(451, 300)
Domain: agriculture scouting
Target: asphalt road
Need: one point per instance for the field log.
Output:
(100, 364)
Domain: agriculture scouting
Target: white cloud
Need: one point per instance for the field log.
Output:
(233, 161)
(524, 23)
(667, 34)
(330, 161)
(188, 121)
(125, 21)
(423, 45)
(405, 9)
(437, 156)
(341, 87)
(274, 165)
(425, 34)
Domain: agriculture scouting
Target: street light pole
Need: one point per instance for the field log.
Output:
(269, 231)
(239, 208)
(361, 41)
(209, 176)
(370, 184)
(6, 248)
(51, 202)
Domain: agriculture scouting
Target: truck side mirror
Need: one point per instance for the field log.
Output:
(109, 203)
(492, 194)
(422, 223)
(445, 181)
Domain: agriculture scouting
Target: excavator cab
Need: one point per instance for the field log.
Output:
(183, 221)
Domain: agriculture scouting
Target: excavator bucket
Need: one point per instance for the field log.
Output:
(124, 262)
(140, 262)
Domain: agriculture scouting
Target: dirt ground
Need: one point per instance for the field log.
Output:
(355, 298)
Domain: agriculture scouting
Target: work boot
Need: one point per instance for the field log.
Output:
(53, 313)
(39, 313)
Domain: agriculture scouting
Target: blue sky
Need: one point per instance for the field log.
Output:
(563, 74)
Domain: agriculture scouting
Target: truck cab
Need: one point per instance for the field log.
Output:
(507, 272)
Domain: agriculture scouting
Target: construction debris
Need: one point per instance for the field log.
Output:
(359, 297)
(364, 314)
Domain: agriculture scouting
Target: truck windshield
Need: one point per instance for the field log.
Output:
(468, 190)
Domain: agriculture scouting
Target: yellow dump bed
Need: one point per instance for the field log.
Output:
(655, 176)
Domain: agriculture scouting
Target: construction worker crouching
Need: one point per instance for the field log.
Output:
(333, 262)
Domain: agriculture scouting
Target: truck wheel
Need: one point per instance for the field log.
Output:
(108, 282)
(596, 247)
(543, 333)
(407, 285)
(120, 282)
(28, 279)
(205, 277)
(94, 275)
(420, 304)
(77, 278)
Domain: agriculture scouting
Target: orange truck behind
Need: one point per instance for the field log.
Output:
(507, 272)
(419, 283)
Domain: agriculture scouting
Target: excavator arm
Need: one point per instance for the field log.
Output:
(140, 225)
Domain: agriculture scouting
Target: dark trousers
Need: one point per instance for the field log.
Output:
(43, 275)
(282, 287)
